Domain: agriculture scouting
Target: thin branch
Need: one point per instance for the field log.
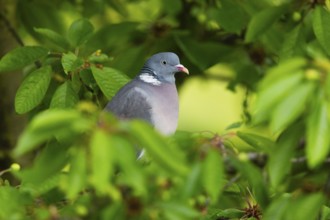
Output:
(11, 29)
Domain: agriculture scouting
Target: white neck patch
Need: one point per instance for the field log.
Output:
(149, 79)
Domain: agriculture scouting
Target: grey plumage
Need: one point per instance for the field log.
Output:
(152, 95)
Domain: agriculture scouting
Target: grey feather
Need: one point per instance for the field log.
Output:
(152, 95)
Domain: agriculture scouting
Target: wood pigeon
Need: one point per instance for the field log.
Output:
(152, 95)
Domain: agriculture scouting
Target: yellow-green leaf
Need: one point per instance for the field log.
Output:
(291, 107)
(213, 174)
(318, 138)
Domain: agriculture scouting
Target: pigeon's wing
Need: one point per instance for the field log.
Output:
(131, 102)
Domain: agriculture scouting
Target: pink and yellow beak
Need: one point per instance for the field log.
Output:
(181, 68)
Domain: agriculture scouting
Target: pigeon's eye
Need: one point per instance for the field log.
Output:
(164, 62)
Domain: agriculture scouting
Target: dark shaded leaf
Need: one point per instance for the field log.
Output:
(262, 21)
(231, 16)
(80, 31)
(53, 37)
(321, 20)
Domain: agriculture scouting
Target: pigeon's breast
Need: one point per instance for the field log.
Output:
(165, 108)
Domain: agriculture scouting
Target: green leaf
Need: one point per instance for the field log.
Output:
(53, 37)
(49, 162)
(49, 124)
(192, 183)
(80, 31)
(255, 179)
(325, 213)
(262, 21)
(71, 62)
(291, 107)
(32, 90)
(102, 156)
(21, 57)
(279, 164)
(229, 213)
(318, 139)
(309, 207)
(260, 143)
(202, 54)
(269, 96)
(133, 174)
(13, 203)
(213, 174)
(109, 80)
(277, 209)
(64, 96)
(285, 68)
(231, 16)
(179, 211)
(158, 148)
(321, 20)
(77, 176)
(294, 44)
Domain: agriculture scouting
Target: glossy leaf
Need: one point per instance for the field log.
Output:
(321, 27)
(109, 80)
(261, 22)
(291, 107)
(21, 57)
(32, 90)
(318, 128)
(80, 31)
(64, 97)
(53, 37)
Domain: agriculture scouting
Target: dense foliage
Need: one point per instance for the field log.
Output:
(82, 162)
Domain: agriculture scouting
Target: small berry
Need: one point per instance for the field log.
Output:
(15, 167)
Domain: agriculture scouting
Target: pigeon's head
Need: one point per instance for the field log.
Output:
(161, 67)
